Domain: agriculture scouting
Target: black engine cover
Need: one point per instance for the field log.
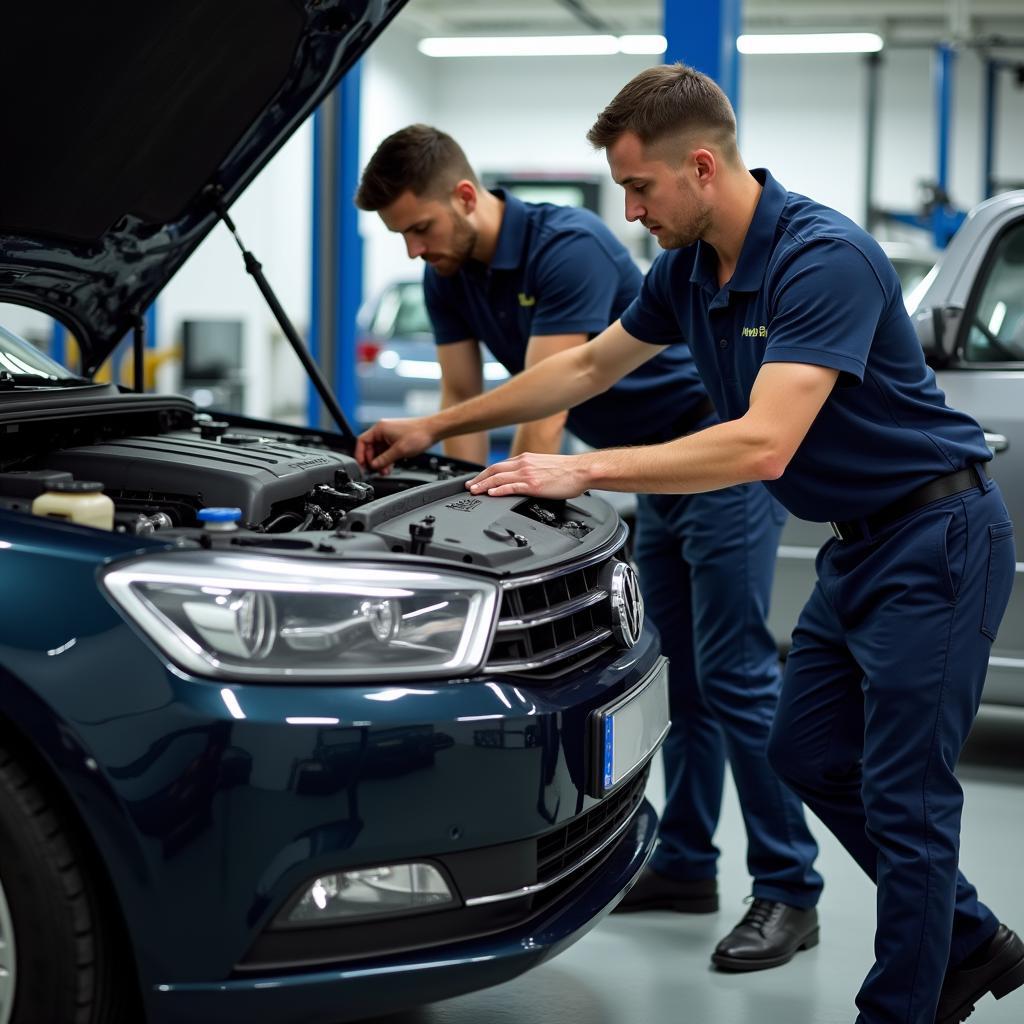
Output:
(244, 471)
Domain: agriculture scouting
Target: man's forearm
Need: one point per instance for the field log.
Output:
(540, 435)
(471, 447)
(784, 402)
(720, 456)
(552, 386)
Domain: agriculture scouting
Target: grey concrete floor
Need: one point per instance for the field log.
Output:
(653, 968)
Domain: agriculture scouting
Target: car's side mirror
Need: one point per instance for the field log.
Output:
(938, 329)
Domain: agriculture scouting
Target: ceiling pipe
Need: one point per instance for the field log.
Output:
(588, 17)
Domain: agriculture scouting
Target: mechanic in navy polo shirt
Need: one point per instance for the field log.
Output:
(796, 322)
(534, 280)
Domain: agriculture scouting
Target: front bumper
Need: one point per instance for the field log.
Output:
(373, 988)
(212, 806)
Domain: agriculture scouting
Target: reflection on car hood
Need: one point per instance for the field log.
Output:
(124, 113)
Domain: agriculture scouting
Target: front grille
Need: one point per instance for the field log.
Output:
(550, 624)
(559, 851)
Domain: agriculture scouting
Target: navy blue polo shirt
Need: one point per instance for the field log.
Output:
(560, 270)
(811, 286)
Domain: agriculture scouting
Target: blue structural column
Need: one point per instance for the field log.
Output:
(151, 326)
(702, 33)
(58, 347)
(945, 58)
(313, 411)
(349, 269)
(337, 255)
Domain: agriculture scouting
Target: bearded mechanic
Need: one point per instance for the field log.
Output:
(796, 323)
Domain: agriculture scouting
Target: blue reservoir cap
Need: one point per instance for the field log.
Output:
(219, 515)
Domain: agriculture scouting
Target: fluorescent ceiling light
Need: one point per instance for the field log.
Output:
(519, 46)
(539, 46)
(825, 42)
(643, 44)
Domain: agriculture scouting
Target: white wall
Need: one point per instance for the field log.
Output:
(801, 118)
(532, 114)
(399, 87)
(273, 220)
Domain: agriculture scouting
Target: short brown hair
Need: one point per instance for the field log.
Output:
(666, 100)
(417, 159)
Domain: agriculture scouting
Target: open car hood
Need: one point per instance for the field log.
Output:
(120, 118)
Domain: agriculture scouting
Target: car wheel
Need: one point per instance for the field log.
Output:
(56, 943)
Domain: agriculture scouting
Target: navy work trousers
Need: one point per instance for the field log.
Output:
(706, 563)
(881, 686)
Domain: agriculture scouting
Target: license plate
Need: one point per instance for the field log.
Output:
(420, 402)
(630, 729)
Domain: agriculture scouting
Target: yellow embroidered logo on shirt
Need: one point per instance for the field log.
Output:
(526, 300)
(755, 332)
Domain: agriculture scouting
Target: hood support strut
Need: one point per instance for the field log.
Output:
(254, 268)
(138, 353)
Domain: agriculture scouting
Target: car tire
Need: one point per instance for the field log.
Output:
(62, 941)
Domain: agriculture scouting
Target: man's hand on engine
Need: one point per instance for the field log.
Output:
(541, 476)
(389, 440)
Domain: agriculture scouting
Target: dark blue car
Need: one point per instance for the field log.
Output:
(278, 741)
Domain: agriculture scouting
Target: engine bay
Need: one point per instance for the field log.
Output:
(165, 468)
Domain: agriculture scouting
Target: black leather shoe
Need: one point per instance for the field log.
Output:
(1000, 973)
(768, 936)
(657, 892)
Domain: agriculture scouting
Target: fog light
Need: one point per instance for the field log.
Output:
(387, 889)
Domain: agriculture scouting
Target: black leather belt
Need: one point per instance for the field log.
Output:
(941, 487)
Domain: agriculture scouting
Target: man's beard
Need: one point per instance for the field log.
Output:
(693, 231)
(464, 237)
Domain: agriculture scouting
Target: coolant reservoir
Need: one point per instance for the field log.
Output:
(79, 501)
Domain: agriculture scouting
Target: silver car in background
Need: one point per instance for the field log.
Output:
(969, 315)
(398, 371)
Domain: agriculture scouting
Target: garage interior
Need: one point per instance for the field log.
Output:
(904, 137)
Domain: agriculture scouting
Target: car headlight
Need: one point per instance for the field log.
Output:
(256, 617)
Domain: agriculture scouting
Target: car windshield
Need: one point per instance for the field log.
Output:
(911, 271)
(27, 365)
(913, 265)
(402, 312)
